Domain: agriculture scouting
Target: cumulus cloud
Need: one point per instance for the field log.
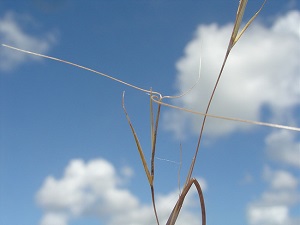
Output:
(13, 32)
(96, 189)
(280, 179)
(262, 71)
(274, 205)
(282, 146)
(54, 218)
(268, 215)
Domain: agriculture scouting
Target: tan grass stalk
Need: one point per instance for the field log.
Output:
(154, 120)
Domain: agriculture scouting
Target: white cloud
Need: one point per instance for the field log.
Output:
(283, 147)
(287, 198)
(262, 70)
(275, 215)
(54, 218)
(12, 32)
(275, 204)
(127, 171)
(280, 179)
(96, 189)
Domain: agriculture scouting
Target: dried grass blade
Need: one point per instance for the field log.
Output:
(154, 129)
(248, 23)
(154, 139)
(176, 210)
(235, 36)
(151, 119)
(239, 17)
(140, 150)
(238, 21)
(142, 156)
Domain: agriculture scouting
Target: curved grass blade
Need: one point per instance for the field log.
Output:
(176, 210)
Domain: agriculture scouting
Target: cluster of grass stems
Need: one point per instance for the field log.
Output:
(156, 97)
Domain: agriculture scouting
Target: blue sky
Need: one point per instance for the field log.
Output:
(67, 156)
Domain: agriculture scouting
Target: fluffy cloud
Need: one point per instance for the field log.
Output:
(268, 215)
(54, 218)
(280, 179)
(274, 205)
(96, 189)
(12, 32)
(262, 71)
(282, 195)
(283, 147)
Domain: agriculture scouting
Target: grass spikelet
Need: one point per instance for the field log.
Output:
(156, 97)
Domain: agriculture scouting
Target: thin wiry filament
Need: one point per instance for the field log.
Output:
(156, 95)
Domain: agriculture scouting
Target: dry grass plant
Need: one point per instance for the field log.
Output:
(156, 97)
